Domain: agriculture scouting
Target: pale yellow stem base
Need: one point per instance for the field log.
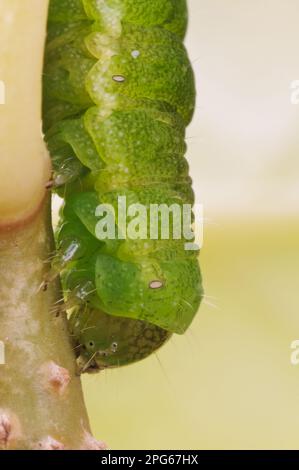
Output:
(24, 161)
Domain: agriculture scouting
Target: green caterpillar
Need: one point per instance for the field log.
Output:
(118, 94)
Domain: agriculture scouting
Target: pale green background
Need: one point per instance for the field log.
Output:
(228, 383)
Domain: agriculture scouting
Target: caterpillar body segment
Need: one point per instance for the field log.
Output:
(118, 95)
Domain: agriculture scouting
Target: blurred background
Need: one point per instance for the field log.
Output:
(229, 383)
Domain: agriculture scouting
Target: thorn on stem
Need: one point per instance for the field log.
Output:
(91, 443)
(10, 429)
(5, 429)
(49, 443)
(56, 378)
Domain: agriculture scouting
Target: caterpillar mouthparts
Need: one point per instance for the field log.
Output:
(118, 94)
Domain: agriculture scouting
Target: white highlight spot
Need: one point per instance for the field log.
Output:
(156, 284)
(295, 92)
(2, 92)
(118, 78)
(295, 353)
(135, 54)
(8, 18)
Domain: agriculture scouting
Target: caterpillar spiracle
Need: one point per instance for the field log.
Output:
(118, 94)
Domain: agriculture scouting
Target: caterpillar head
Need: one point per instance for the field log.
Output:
(105, 341)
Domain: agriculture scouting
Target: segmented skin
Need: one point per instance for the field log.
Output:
(118, 94)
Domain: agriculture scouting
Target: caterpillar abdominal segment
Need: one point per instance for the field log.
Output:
(118, 95)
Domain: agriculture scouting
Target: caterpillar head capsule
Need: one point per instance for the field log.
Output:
(103, 341)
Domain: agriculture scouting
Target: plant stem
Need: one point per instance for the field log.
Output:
(41, 403)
